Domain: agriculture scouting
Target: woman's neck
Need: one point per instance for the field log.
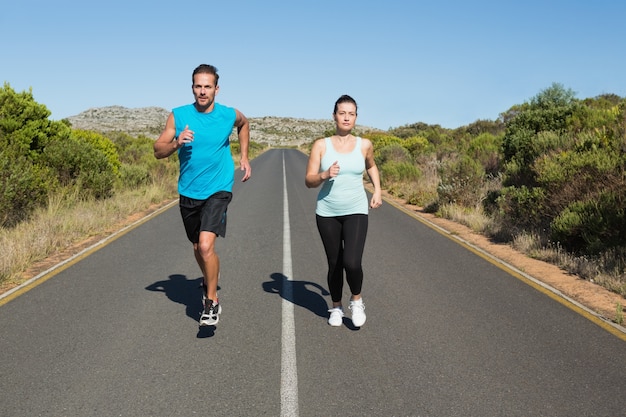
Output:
(343, 136)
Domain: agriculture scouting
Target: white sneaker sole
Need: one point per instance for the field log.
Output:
(358, 318)
(335, 321)
(358, 323)
(210, 321)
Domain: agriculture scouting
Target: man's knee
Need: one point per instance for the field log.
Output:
(206, 244)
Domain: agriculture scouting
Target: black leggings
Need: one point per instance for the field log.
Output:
(344, 240)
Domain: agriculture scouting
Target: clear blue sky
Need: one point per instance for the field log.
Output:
(404, 61)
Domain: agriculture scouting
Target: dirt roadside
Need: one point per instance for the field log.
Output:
(592, 296)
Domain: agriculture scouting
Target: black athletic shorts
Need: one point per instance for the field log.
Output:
(205, 215)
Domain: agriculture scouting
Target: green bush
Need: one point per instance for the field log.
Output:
(461, 182)
(522, 208)
(101, 143)
(24, 124)
(485, 148)
(78, 163)
(520, 145)
(254, 148)
(436, 135)
(393, 152)
(534, 129)
(134, 176)
(417, 146)
(553, 171)
(592, 226)
(380, 140)
(393, 172)
(572, 176)
(24, 187)
(595, 114)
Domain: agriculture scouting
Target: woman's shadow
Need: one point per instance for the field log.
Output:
(187, 292)
(298, 293)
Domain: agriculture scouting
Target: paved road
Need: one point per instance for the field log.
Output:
(448, 332)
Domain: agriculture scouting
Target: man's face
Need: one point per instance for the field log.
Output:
(204, 89)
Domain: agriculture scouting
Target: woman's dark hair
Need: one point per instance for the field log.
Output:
(344, 99)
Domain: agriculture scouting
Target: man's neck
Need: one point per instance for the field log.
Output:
(204, 109)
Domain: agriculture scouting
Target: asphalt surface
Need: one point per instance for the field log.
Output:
(448, 333)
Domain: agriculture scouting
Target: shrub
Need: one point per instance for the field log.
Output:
(24, 124)
(254, 148)
(394, 152)
(134, 176)
(380, 140)
(519, 145)
(549, 111)
(78, 163)
(485, 148)
(139, 152)
(522, 208)
(394, 172)
(595, 114)
(461, 182)
(417, 146)
(24, 187)
(576, 176)
(592, 226)
(101, 143)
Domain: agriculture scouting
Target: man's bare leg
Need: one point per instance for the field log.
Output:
(209, 262)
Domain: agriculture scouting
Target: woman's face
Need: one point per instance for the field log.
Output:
(345, 116)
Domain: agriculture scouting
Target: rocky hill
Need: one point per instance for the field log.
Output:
(149, 122)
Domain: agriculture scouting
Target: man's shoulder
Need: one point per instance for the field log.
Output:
(184, 107)
(223, 108)
(224, 112)
(218, 110)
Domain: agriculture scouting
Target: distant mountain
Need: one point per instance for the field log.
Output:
(146, 121)
(149, 122)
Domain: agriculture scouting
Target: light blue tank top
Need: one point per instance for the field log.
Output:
(206, 164)
(344, 194)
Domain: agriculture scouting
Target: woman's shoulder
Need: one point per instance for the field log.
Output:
(320, 143)
(365, 143)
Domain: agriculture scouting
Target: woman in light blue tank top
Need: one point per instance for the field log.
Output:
(337, 164)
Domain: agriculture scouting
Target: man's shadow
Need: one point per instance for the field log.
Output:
(298, 293)
(187, 292)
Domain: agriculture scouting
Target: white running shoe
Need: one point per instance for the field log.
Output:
(336, 316)
(358, 312)
(211, 313)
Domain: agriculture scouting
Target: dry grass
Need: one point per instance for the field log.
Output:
(475, 219)
(607, 270)
(67, 221)
(422, 192)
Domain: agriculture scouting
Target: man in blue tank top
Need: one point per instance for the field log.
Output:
(200, 133)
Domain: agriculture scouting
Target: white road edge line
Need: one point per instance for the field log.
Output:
(289, 372)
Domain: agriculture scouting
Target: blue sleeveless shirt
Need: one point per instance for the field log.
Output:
(344, 194)
(206, 164)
